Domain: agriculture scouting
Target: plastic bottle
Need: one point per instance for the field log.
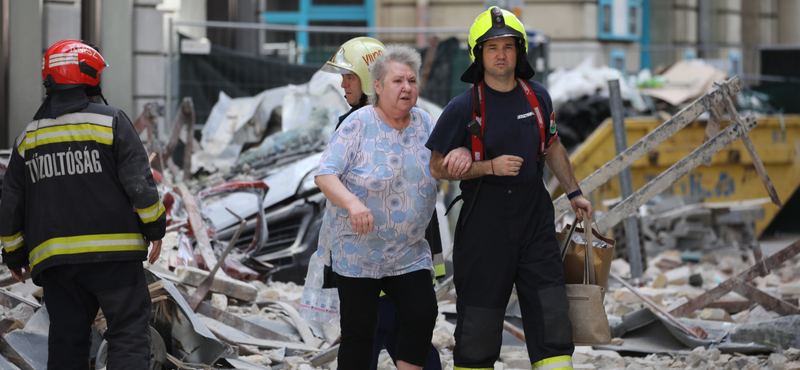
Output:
(318, 304)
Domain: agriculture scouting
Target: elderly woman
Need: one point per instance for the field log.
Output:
(381, 195)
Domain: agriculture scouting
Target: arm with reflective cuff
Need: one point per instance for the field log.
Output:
(133, 170)
(12, 214)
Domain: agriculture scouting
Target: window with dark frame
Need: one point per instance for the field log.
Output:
(632, 21)
(337, 2)
(606, 18)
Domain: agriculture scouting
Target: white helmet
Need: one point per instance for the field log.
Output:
(355, 56)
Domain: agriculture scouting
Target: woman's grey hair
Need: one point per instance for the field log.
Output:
(394, 53)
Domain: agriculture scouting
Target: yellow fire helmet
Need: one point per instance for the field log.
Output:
(491, 24)
(355, 56)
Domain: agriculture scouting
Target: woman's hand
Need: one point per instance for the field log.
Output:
(361, 217)
(458, 161)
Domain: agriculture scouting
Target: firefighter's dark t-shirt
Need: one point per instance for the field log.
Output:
(511, 128)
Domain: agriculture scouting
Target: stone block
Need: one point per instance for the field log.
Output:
(149, 72)
(776, 361)
(679, 275)
(606, 360)
(149, 30)
(621, 309)
(668, 261)
(61, 22)
(680, 301)
(624, 295)
(660, 281)
(517, 363)
(696, 357)
(792, 354)
(715, 314)
(621, 267)
(713, 354)
(21, 313)
(222, 284)
(792, 289)
(770, 280)
(791, 366)
(219, 301)
(758, 314)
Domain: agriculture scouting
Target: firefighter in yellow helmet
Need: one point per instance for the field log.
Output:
(352, 61)
(505, 234)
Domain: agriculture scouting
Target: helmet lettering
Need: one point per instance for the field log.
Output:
(369, 58)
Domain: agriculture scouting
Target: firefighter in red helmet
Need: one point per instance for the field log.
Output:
(79, 210)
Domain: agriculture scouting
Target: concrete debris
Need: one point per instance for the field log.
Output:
(252, 319)
(671, 222)
(21, 313)
(222, 284)
(219, 301)
(715, 314)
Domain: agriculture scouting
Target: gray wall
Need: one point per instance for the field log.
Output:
(117, 48)
(3, 73)
(148, 54)
(25, 64)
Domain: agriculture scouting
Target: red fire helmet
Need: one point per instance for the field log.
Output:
(73, 62)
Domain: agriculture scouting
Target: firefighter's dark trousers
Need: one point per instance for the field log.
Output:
(73, 294)
(509, 239)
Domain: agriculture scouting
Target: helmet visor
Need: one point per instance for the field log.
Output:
(339, 60)
(330, 67)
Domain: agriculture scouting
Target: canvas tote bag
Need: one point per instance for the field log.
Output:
(586, 310)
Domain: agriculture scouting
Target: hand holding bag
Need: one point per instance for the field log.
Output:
(586, 310)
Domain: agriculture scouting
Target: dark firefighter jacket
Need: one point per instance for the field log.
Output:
(78, 188)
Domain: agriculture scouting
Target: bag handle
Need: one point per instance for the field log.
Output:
(567, 239)
(588, 260)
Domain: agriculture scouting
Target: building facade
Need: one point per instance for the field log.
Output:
(134, 35)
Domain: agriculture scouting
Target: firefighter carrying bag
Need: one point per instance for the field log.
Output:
(586, 310)
(573, 257)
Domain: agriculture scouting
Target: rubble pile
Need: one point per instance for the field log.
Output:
(251, 187)
(688, 224)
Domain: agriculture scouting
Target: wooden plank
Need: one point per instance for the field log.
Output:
(515, 331)
(765, 300)
(324, 357)
(240, 324)
(299, 323)
(11, 300)
(712, 127)
(732, 307)
(751, 149)
(10, 280)
(671, 175)
(720, 290)
(696, 331)
(649, 142)
(198, 226)
(216, 327)
(188, 106)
